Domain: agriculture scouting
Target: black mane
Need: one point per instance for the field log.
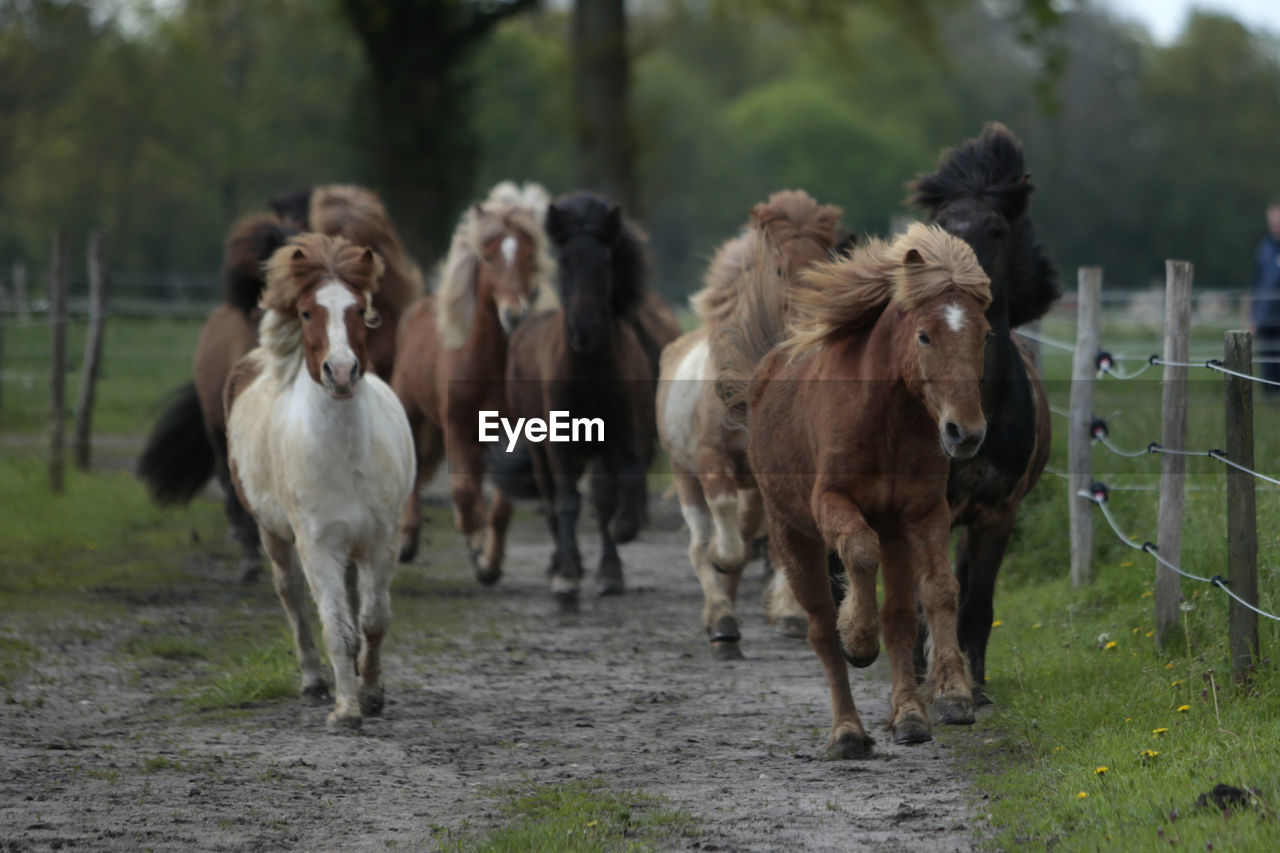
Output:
(991, 169)
(587, 213)
(250, 242)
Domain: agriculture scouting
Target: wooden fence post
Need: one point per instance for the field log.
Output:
(58, 357)
(99, 285)
(1080, 416)
(1173, 435)
(1242, 517)
(21, 302)
(4, 305)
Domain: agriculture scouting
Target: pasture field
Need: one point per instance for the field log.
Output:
(150, 701)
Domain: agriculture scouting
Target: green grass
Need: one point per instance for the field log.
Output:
(142, 359)
(1078, 681)
(249, 677)
(578, 816)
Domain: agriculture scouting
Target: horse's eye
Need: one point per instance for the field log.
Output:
(924, 338)
(306, 315)
(489, 258)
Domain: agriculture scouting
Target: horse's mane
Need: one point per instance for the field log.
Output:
(786, 216)
(508, 207)
(358, 215)
(852, 292)
(992, 168)
(296, 269)
(588, 212)
(249, 242)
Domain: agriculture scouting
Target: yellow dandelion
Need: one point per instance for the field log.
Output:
(1128, 719)
(997, 623)
(1111, 644)
(1150, 634)
(1057, 749)
(1159, 731)
(1149, 753)
(1037, 625)
(1169, 665)
(1126, 564)
(1147, 594)
(1182, 709)
(1082, 795)
(1177, 682)
(1137, 631)
(592, 822)
(1101, 771)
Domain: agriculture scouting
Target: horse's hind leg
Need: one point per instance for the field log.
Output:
(632, 513)
(604, 495)
(983, 551)
(489, 562)
(564, 471)
(291, 586)
(327, 577)
(846, 532)
(718, 611)
(804, 562)
(373, 581)
(429, 448)
(244, 528)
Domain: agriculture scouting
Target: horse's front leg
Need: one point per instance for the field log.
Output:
(326, 574)
(489, 565)
(428, 441)
(604, 496)
(244, 528)
(291, 587)
(846, 532)
(564, 470)
(980, 554)
(466, 476)
(718, 610)
(373, 583)
(938, 592)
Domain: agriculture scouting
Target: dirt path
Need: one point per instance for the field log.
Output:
(96, 753)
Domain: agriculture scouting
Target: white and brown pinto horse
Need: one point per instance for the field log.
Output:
(718, 494)
(322, 456)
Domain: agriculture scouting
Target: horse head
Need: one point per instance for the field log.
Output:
(944, 295)
(593, 246)
(325, 285)
(802, 231)
(508, 275)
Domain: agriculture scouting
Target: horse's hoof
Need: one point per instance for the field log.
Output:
(485, 575)
(796, 627)
(726, 650)
(372, 700)
(626, 530)
(316, 693)
(250, 571)
(610, 586)
(724, 629)
(566, 600)
(864, 657)
(954, 712)
(408, 551)
(912, 729)
(344, 722)
(850, 745)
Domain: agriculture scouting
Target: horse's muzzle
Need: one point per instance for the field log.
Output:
(340, 382)
(960, 442)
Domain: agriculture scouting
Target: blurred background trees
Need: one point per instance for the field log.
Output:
(162, 122)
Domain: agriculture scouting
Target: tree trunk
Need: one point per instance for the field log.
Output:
(601, 97)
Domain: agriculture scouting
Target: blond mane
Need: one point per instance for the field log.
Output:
(786, 216)
(508, 207)
(296, 269)
(851, 293)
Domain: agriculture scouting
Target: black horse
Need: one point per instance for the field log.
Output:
(981, 192)
(587, 359)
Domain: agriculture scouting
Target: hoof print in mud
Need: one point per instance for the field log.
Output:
(954, 712)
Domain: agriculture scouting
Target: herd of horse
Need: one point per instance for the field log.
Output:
(841, 407)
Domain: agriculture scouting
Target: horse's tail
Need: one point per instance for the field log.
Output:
(756, 327)
(178, 459)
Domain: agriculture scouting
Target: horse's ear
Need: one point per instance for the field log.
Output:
(613, 221)
(758, 211)
(367, 256)
(913, 258)
(298, 254)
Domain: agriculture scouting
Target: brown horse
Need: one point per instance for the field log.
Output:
(718, 494)
(853, 421)
(189, 443)
(452, 358)
(588, 360)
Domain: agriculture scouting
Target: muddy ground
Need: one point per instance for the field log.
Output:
(98, 751)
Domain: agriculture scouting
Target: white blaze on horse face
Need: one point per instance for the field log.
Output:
(954, 315)
(336, 298)
(509, 249)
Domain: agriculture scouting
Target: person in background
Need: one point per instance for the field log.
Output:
(1264, 295)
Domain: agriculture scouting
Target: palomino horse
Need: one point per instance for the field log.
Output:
(188, 443)
(322, 456)
(980, 193)
(718, 494)
(586, 359)
(880, 369)
(452, 358)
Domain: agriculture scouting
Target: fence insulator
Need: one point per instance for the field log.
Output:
(1103, 361)
(1098, 429)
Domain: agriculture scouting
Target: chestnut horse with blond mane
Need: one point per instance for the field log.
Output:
(452, 359)
(321, 455)
(853, 419)
(718, 494)
(189, 442)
